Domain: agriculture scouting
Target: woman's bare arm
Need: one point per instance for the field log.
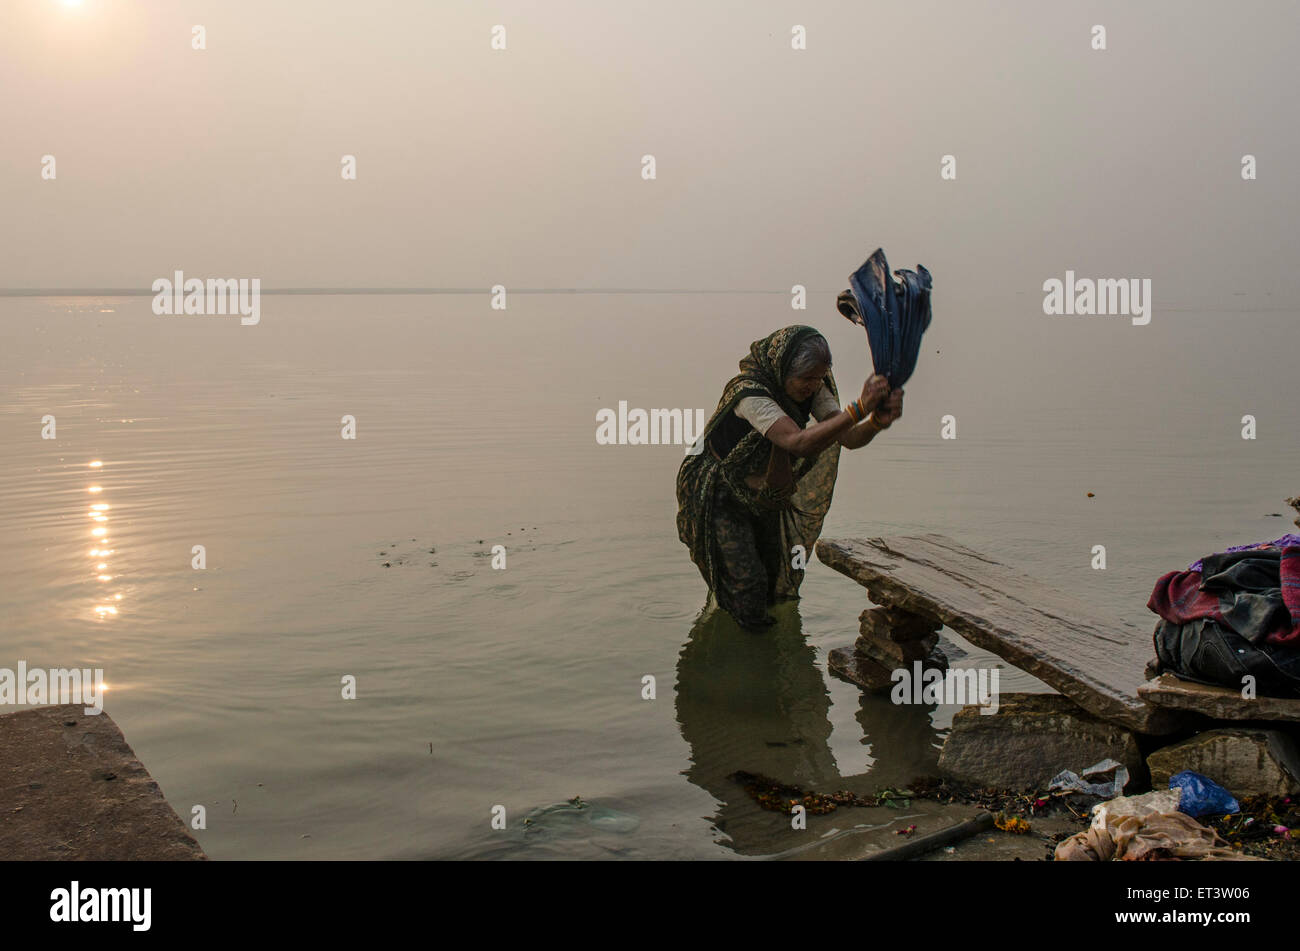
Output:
(880, 419)
(861, 434)
(786, 434)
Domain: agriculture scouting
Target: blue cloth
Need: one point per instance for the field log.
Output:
(894, 313)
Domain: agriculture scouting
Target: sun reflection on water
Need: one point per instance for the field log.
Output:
(98, 515)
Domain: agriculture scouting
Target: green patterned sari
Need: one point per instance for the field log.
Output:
(780, 519)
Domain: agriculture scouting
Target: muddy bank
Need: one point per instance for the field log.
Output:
(1262, 829)
(1024, 827)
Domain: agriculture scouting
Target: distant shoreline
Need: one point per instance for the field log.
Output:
(326, 291)
(593, 291)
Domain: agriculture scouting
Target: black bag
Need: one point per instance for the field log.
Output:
(1204, 651)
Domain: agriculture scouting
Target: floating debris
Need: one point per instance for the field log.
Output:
(780, 797)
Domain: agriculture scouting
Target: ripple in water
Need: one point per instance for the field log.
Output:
(662, 610)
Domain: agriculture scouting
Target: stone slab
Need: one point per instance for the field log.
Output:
(890, 624)
(849, 835)
(1221, 703)
(848, 664)
(71, 788)
(896, 653)
(1090, 655)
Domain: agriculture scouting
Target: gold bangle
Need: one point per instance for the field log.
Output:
(849, 408)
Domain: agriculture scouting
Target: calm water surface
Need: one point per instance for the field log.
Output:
(523, 687)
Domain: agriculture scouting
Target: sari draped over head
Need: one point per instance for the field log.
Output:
(796, 511)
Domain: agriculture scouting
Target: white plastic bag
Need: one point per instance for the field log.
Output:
(1068, 782)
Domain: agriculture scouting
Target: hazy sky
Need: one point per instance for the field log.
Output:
(775, 166)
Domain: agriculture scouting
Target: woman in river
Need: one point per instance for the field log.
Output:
(751, 503)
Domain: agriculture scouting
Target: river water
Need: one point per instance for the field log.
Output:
(522, 688)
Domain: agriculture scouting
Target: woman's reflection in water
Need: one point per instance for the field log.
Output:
(759, 703)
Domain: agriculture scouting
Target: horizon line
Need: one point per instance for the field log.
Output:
(135, 292)
(1176, 307)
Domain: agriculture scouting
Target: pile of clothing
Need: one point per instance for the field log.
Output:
(1144, 829)
(1231, 615)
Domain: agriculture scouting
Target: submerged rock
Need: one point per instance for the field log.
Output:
(577, 817)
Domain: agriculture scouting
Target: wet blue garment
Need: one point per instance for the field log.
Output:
(894, 313)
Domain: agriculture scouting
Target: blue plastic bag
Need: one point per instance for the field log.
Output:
(1202, 796)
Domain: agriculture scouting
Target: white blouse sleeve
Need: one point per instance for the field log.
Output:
(760, 412)
(824, 405)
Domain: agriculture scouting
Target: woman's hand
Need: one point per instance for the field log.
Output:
(873, 391)
(892, 409)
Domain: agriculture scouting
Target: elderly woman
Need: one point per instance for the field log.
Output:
(763, 482)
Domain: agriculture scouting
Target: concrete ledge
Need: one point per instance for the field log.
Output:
(72, 789)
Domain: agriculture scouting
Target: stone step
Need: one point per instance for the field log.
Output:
(72, 788)
(1220, 703)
